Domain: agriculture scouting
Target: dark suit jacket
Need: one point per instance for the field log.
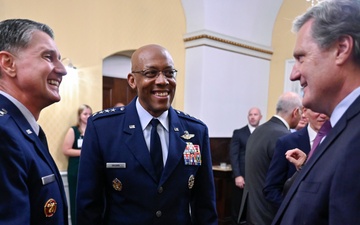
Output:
(132, 193)
(327, 189)
(259, 152)
(24, 162)
(237, 150)
(280, 168)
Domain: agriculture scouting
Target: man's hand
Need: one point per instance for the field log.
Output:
(239, 182)
(296, 157)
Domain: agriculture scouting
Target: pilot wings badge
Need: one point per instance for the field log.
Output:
(187, 136)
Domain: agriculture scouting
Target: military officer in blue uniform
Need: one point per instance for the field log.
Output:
(118, 178)
(32, 192)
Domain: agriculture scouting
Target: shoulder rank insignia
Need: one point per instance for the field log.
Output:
(187, 136)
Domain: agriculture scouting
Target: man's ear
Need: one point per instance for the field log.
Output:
(344, 47)
(131, 81)
(7, 63)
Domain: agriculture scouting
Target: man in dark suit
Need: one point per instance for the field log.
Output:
(31, 188)
(237, 159)
(259, 151)
(281, 169)
(119, 181)
(327, 189)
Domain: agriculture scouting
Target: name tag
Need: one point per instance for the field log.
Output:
(116, 165)
(48, 179)
(79, 142)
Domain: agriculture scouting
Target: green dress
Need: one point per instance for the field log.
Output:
(73, 168)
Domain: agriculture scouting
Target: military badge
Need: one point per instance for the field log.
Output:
(117, 185)
(191, 181)
(192, 154)
(187, 136)
(50, 207)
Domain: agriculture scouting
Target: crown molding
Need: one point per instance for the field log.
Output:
(216, 40)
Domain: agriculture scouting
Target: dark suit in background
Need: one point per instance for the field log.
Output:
(237, 160)
(259, 151)
(280, 168)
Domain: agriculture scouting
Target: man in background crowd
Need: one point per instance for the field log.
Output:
(259, 151)
(237, 159)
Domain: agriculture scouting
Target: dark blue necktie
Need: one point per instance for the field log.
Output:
(42, 137)
(155, 149)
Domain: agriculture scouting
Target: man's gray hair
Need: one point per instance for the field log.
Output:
(287, 103)
(16, 34)
(332, 20)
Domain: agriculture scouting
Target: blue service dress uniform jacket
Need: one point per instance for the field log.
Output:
(32, 192)
(115, 163)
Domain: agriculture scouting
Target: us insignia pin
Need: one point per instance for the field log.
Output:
(2, 112)
(187, 136)
(50, 207)
(117, 185)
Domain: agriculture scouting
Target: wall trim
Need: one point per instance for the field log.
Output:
(216, 40)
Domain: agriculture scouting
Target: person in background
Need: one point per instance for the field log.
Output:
(119, 104)
(72, 149)
(237, 159)
(302, 123)
(327, 64)
(259, 152)
(281, 169)
(146, 163)
(31, 71)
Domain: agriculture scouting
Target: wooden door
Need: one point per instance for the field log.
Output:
(116, 90)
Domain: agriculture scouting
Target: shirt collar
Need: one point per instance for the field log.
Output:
(284, 121)
(251, 128)
(343, 106)
(312, 133)
(27, 114)
(145, 117)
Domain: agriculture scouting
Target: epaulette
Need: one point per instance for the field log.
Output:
(187, 116)
(108, 112)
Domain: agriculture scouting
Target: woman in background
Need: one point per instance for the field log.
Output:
(72, 149)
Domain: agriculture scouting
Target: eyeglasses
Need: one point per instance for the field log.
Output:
(152, 73)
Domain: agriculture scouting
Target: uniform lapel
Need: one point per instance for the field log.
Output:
(176, 145)
(29, 134)
(134, 139)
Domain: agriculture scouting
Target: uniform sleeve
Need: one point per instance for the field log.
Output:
(14, 200)
(90, 197)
